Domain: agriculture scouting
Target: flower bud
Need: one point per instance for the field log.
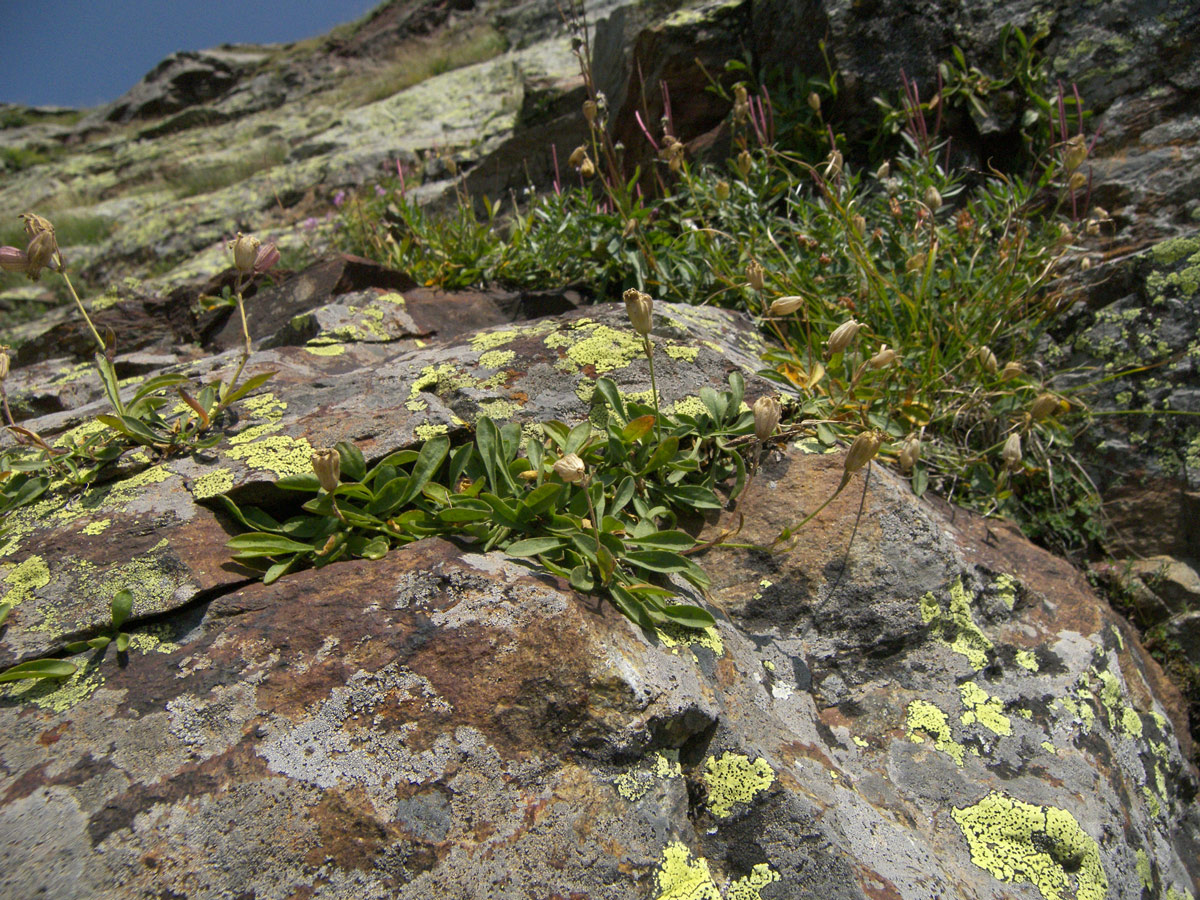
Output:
(933, 198)
(1077, 181)
(745, 163)
(640, 308)
(589, 111)
(1085, 264)
(570, 469)
(578, 155)
(910, 452)
(1012, 369)
(587, 169)
(885, 357)
(766, 416)
(987, 359)
(833, 165)
(1075, 151)
(1011, 454)
(814, 102)
(327, 463)
(862, 451)
(785, 306)
(842, 336)
(1045, 406)
(245, 252)
(756, 275)
(884, 170)
(722, 190)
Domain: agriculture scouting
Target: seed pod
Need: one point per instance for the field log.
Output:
(245, 252)
(766, 416)
(4, 362)
(885, 357)
(1077, 181)
(842, 336)
(640, 309)
(910, 452)
(756, 275)
(814, 102)
(41, 253)
(570, 469)
(933, 198)
(884, 170)
(327, 463)
(859, 223)
(1075, 151)
(862, 451)
(13, 259)
(1011, 454)
(1012, 369)
(1045, 406)
(833, 165)
(589, 111)
(987, 359)
(785, 306)
(578, 155)
(587, 169)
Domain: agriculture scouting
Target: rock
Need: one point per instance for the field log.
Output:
(182, 80)
(907, 716)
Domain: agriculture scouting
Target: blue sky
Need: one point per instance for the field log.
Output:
(87, 52)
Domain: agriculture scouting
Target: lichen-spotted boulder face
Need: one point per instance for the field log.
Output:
(935, 708)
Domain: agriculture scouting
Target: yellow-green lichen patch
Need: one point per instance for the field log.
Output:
(956, 627)
(735, 779)
(80, 433)
(682, 878)
(674, 637)
(923, 716)
(497, 359)
(124, 491)
(604, 349)
(492, 340)
(682, 352)
(213, 483)
(1006, 589)
(1027, 659)
(279, 453)
(97, 527)
(153, 639)
(393, 298)
(319, 349)
(498, 409)
(986, 710)
(689, 406)
(1145, 875)
(859, 742)
(265, 406)
(1049, 748)
(1181, 894)
(1121, 717)
(54, 694)
(25, 578)
(1152, 803)
(748, 888)
(1018, 842)
(636, 783)
(427, 431)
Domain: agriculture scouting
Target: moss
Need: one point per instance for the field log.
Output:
(326, 349)
(1027, 659)
(279, 454)
(25, 578)
(97, 527)
(984, 709)
(1020, 842)
(735, 779)
(956, 628)
(213, 483)
(496, 359)
(923, 716)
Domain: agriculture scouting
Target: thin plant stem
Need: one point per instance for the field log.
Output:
(653, 388)
(86, 317)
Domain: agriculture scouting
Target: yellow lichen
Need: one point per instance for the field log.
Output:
(981, 708)
(25, 578)
(1027, 659)
(336, 349)
(675, 637)
(280, 454)
(427, 431)
(680, 877)
(97, 527)
(634, 784)
(735, 779)
(682, 352)
(923, 716)
(213, 483)
(1006, 587)
(496, 359)
(604, 349)
(956, 628)
(1018, 842)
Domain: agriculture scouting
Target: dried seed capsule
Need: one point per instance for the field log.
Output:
(767, 412)
(1011, 454)
(785, 306)
(862, 451)
(327, 463)
(640, 308)
(1045, 406)
(910, 452)
(245, 252)
(842, 336)
(570, 469)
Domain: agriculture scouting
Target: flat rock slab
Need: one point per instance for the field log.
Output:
(443, 723)
(66, 554)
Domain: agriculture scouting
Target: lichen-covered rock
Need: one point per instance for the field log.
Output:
(933, 709)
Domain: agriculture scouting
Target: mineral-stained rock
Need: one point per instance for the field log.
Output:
(936, 709)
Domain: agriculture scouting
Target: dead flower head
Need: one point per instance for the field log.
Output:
(571, 469)
(640, 308)
(327, 463)
(767, 412)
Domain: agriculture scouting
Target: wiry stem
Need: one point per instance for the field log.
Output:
(653, 388)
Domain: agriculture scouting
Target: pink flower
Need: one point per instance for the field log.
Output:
(339, 198)
(13, 259)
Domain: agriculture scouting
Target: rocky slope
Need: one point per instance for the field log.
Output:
(911, 703)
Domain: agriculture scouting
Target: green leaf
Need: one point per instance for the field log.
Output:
(109, 378)
(534, 546)
(607, 389)
(581, 579)
(663, 454)
(5, 609)
(501, 511)
(247, 386)
(693, 496)
(429, 460)
(920, 480)
(306, 482)
(248, 546)
(624, 493)
(637, 429)
(278, 569)
(389, 497)
(737, 391)
(714, 403)
(122, 642)
(488, 442)
(137, 430)
(39, 668)
(122, 607)
(456, 515)
(664, 540)
(689, 616)
(542, 498)
(630, 606)
(826, 435)
(354, 467)
(666, 562)
(578, 437)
